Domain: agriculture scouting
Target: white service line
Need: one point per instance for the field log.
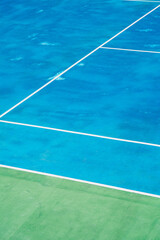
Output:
(130, 50)
(80, 133)
(57, 76)
(81, 181)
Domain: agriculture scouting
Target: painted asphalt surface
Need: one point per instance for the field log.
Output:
(111, 93)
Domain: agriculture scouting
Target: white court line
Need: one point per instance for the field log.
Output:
(130, 50)
(80, 133)
(141, 1)
(57, 76)
(81, 181)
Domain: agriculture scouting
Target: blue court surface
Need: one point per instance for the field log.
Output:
(143, 36)
(66, 128)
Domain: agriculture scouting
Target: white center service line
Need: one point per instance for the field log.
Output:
(80, 181)
(57, 76)
(80, 133)
(130, 50)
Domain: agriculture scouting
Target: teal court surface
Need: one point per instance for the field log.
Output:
(80, 120)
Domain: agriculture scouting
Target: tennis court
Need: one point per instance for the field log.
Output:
(80, 120)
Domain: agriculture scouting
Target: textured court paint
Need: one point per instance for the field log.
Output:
(134, 166)
(142, 1)
(80, 133)
(78, 62)
(39, 40)
(144, 35)
(37, 207)
(114, 93)
(79, 181)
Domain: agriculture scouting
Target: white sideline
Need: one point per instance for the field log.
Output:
(57, 76)
(130, 50)
(81, 133)
(81, 181)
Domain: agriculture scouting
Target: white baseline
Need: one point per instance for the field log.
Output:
(81, 181)
(57, 76)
